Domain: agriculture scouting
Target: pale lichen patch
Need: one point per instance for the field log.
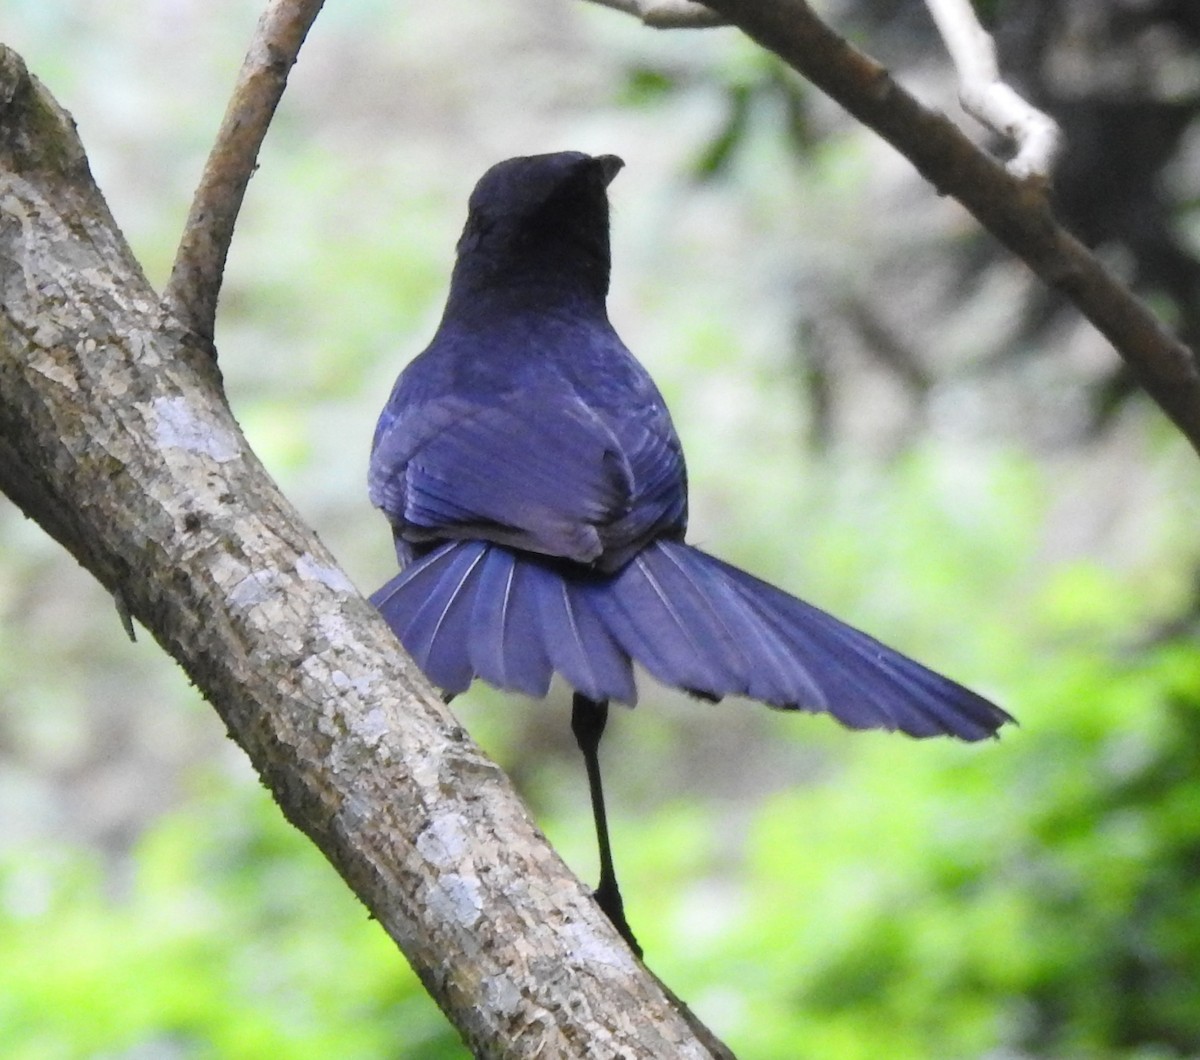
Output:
(457, 898)
(178, 426)
(255, 588)
(444, 842)
(334, 578)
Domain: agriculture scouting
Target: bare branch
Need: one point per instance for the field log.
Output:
(195, 284)
(1013, 210)
(667, 14)
(116, 437)
(988, 99)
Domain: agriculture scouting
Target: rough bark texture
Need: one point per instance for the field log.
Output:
(115, 436)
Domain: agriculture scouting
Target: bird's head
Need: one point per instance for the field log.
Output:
(537, 217)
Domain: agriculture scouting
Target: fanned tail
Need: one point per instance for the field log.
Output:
(698, 623)
(474, 609)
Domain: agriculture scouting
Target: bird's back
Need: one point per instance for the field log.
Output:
(539, 430)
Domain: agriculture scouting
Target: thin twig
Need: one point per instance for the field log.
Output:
(1012, 209)
(195, 283)
(987, 98)
(667, 14)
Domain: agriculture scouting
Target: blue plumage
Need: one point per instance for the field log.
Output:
(476, 609)
(538, 496)
(538, 500)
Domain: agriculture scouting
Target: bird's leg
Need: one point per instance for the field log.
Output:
(588, 718)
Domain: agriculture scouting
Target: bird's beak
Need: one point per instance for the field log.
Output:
(610, 166)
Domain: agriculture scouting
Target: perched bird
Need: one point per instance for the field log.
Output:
(537, 495)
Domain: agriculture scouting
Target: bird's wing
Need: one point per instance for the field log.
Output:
(658, 506)
(529, 470)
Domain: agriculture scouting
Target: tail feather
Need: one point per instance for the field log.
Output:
(768, 668)
(474, 609)
(847, 680)
(868, 684)
(430, 611)
(668, 633)
(707, 640)
(500, 647)
(580, 644)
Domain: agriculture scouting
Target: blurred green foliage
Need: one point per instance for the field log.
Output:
(812, 893)
(231, 938)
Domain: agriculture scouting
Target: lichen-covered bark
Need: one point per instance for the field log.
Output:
(115, 436)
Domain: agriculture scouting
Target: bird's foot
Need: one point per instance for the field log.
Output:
(608, 898)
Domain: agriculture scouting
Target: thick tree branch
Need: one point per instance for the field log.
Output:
(1013, 210)
(195, 284)
(115, 436)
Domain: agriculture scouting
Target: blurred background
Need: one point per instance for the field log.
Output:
(882, 413)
